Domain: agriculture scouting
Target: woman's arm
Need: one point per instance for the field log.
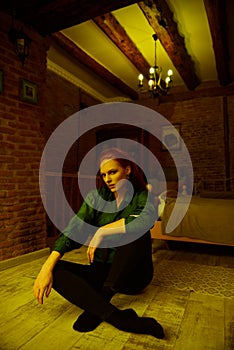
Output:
(137, 218)
(116, 227)
(44, 281)
(113, 228)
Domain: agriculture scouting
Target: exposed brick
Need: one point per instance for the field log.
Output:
(21, 148)
(16, 139)
(5, 146)
(6, 159)
(6, 173)
(7, 130)
(16, 166)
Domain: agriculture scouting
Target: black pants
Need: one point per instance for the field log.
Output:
(82, 285)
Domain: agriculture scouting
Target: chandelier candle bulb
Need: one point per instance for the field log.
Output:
(140, 80)
(151, 72)
(167, 81)
(170, 72)
(151, 84)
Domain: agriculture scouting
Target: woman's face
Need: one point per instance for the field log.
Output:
(112, 172)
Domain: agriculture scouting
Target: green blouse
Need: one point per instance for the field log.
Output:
(139, 213)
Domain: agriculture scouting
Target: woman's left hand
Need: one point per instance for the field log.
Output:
(93, 244)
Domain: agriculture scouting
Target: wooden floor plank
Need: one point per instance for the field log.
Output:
(229, 324)
(16, 285)
(191, 321)
(105, 337)
(57, 334)
(169, 311)
(22, 317)
(19, 326)
(203, 324)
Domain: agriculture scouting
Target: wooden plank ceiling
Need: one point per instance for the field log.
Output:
(49, 17)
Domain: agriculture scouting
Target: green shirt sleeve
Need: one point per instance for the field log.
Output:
(142, 215)
(139, 215)
(75, 234)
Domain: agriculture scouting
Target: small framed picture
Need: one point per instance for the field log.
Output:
(28, 91)
(1, 80)
(171, 139)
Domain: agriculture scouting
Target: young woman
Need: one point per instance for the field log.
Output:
(119, 252)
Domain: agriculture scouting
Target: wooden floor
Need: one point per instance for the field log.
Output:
(192, 321)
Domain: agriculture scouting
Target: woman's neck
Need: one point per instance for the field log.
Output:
(120, 195)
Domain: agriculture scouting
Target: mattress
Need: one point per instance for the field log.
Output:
(206, 218)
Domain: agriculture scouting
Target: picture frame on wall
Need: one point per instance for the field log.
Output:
(1, 81)
(29, 91)
(171, 140)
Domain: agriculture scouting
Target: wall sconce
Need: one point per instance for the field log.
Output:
(21, 43)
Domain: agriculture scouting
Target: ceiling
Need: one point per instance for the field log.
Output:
(103, 46)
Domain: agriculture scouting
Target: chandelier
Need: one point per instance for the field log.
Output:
(156, 85)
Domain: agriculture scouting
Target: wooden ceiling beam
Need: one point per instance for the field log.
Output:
(50, 16)
(160, 17)
(72, 49)
(215, 10)
(112, 28)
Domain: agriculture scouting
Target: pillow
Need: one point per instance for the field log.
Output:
(163, 197)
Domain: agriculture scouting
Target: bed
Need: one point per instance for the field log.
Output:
(209, 218)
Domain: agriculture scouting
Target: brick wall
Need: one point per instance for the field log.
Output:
(22, 217)
(202, 129)
(230, 101)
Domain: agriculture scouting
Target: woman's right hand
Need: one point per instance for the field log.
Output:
(44, 281)
(43, 285)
